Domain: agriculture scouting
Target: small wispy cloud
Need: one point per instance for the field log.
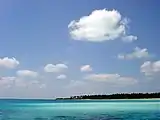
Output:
(138, 53)
(150, 68)
(57, 68)
(86, 68)
(9, 62)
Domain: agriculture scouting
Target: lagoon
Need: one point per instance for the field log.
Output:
(27, 109)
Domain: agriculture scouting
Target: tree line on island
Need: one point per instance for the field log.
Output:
(116, 96)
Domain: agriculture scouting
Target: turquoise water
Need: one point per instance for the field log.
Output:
(79, 110)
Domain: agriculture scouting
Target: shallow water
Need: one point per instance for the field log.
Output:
(79, 110)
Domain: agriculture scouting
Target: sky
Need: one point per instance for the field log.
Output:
(63, 48)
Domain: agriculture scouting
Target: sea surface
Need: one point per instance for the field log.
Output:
(16, 109)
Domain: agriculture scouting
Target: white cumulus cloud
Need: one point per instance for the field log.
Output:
(137, 53)
(111, 78)
(8, 62)
(61, 77)
(150, 68)
(100, 25)
(86, 68)
(27, 73)
(55, 68)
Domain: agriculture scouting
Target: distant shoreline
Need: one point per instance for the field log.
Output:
(112, 99)
(118, 96)
(50, 99)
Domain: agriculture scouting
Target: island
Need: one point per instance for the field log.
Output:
(115, 96)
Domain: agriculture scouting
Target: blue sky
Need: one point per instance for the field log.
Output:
(62, 48)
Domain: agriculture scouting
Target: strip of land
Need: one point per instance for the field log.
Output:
(115, 96)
